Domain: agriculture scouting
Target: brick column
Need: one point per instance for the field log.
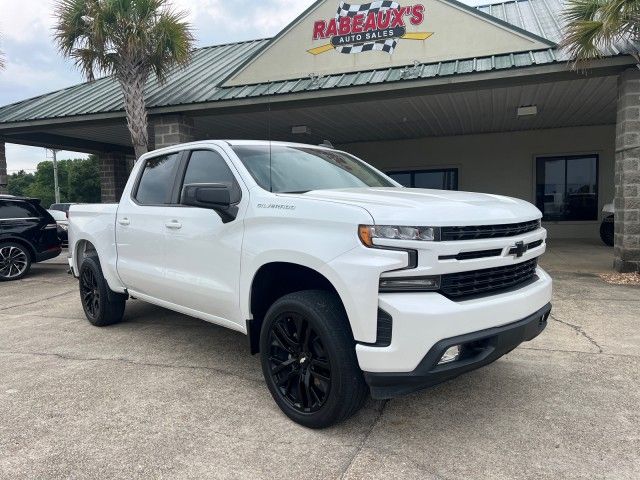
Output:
(113, 176)
(627, 174)
(172, 129)
(3, 168)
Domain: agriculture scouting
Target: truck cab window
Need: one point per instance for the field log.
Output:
(157, 180)
(207, 166)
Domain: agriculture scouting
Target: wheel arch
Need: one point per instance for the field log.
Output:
(82, 249)
(87, 247)
(275, 279)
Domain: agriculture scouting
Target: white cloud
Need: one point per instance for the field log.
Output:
(25, 20)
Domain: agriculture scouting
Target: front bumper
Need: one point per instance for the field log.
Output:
(420, 320)
(478, 349)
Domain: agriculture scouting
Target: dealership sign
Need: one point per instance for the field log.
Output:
(376, 26)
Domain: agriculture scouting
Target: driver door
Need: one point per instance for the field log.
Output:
(202, 246)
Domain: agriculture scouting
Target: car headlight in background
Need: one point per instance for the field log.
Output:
(409, 284)
(392, 232)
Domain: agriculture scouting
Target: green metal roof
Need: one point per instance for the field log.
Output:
(202, 80)
(192, 84)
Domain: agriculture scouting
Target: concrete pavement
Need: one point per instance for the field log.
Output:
(162, 395)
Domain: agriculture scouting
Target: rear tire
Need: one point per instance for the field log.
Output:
(309, 360)
(15, 261)
(607, 233)
(101, 306)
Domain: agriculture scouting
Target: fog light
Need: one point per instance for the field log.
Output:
(450, 355)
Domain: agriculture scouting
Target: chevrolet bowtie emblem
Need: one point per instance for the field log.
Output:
(519, 250)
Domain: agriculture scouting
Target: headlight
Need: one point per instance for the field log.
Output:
(409, 284)
(391, 232)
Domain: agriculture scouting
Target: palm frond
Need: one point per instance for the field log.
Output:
(128, 39)
(594, 26)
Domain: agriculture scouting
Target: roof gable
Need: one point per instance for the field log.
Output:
(334, 36)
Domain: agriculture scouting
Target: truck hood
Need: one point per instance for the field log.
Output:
(403, 206)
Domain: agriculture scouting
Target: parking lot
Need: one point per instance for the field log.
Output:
(162, 395)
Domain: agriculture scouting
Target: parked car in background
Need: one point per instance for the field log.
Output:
(607, 226)
(28, 234)
(62, 219)
(62, 207)
(344, 281)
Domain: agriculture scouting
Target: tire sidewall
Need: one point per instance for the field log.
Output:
(336, 355)
(29, 260)
(93, 264)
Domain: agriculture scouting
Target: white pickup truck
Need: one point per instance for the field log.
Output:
(344, 282)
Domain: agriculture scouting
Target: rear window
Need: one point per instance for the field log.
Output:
(158, 177)
(16, 210)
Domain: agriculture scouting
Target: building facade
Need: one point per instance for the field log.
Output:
(436, 93)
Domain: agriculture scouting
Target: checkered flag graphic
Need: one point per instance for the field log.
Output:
(348, 10)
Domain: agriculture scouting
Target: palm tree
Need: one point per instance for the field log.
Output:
(593, 25)
(129, 39)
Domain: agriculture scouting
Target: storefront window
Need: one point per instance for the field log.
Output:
(567, 187)
(441, 179)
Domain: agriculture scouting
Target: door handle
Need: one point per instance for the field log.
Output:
(124, 221)
(173, 224)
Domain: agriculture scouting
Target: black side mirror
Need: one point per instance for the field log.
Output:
(214, 196)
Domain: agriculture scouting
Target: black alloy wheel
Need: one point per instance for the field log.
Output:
(308, 358)
(101, 306)
(298, 363)
(90, 293)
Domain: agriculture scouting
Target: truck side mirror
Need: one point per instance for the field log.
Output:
(214, 196)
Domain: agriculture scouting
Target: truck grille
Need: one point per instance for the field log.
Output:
(488, 231)
(489, 280)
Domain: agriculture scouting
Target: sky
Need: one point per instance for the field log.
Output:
(34, 67)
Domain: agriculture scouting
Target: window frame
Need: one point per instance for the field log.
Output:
(171, 197)
(565, 157)
(426, 170)
(182, 173)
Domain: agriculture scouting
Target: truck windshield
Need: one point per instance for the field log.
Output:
(295, 169)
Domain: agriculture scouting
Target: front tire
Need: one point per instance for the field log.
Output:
(15, 261)
(309, 361)
(101, 306)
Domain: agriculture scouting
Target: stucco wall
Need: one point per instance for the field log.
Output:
(502, 163)
(455, 33)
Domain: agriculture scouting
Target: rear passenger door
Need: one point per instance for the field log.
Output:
(141, 226)
(203, 252)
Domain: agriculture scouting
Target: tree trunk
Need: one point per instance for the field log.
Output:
(133, 81)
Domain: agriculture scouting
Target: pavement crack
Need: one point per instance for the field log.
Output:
(365, 438)
(580, 330)
(37, 301)
(132, 362)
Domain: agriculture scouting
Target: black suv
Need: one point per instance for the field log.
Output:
(28, 234)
